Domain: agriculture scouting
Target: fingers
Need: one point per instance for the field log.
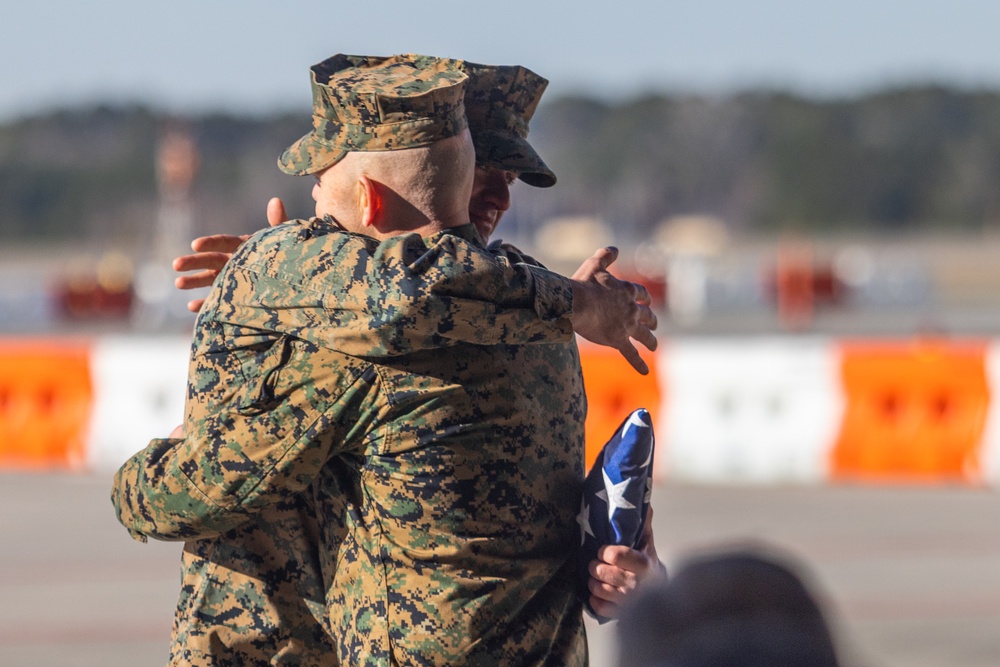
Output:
(606, 598)
(633, 358)
(642, 296)
(605, 593)
(618, 576)
(210, 261)
(618, 572)
(195, 305)
(195, 280)
(606, 256)
(647, 318)
(587, 270)
(613, 312)
(596, 263)
(226, 243)
(276, 212)
(620, 565)
(178, 431)
(646, 337)
(603, 607)
(645, 323)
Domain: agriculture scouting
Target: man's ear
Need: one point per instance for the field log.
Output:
(370, 202)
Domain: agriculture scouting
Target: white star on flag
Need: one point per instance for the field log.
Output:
(614, 495)
(634, 420)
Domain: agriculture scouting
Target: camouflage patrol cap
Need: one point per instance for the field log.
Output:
(371, 103)
(499, 102)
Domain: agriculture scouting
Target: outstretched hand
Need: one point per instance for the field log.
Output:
(612, 312)
(212, 252)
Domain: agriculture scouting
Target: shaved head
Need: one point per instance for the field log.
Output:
(420, 186)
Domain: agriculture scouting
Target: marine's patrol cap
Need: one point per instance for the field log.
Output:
(499, 102)
(371, 103)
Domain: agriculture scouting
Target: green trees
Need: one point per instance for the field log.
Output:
(906, 159)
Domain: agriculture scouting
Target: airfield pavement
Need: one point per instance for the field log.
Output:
(910, 575)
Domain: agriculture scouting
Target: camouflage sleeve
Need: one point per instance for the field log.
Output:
(478, 296)
(261, 423)
(138, 499)
(402, 295)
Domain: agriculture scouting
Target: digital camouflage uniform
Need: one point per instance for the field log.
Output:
(258, 432)
(462, 496)
(297, 401)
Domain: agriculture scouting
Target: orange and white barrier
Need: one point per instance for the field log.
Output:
(726, 410)
(45, 403)
(139, 384)
(915, 410)
(815, 410)
(989, 448)
(761, 411)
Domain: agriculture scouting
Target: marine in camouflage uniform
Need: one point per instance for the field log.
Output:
(288, 383)
(462, 493)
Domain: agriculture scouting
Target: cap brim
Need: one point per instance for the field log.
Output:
(508, 151)
(309, 155)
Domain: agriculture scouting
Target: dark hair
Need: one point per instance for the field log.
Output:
(735, 608)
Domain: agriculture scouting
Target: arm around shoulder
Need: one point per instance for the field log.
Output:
(153, 497)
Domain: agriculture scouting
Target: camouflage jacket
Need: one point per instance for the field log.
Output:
(462, 493)
(276, 423)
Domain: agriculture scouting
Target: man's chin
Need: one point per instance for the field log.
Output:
(484, 226)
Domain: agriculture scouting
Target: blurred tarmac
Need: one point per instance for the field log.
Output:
(911, 576)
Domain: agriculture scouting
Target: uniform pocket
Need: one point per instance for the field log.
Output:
(261, 372)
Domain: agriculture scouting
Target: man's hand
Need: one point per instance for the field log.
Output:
(212, 252)
(612, 312)
(618, 571)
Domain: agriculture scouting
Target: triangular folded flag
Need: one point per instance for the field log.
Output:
(616, 495)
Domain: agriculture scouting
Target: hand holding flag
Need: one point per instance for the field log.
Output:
(616, 496)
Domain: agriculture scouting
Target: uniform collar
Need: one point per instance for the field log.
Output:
(467, 232)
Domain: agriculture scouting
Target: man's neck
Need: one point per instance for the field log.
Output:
(435, 224)
(409, 221)
(425, 225)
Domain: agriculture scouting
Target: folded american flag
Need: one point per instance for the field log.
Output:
(616, 495)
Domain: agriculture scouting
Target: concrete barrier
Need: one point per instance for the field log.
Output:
(139, 389)
(916, 410)
(775, 410)
(757, 411)
(45, 403)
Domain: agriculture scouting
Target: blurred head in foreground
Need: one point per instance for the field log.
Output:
(738, 608)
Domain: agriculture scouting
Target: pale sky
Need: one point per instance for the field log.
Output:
(254, 55)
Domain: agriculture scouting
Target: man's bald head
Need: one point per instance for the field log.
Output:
(423, 189)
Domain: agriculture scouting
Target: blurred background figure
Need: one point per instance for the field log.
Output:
(741, 608)
(177, 164)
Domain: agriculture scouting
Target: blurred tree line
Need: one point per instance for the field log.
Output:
(924, 158)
